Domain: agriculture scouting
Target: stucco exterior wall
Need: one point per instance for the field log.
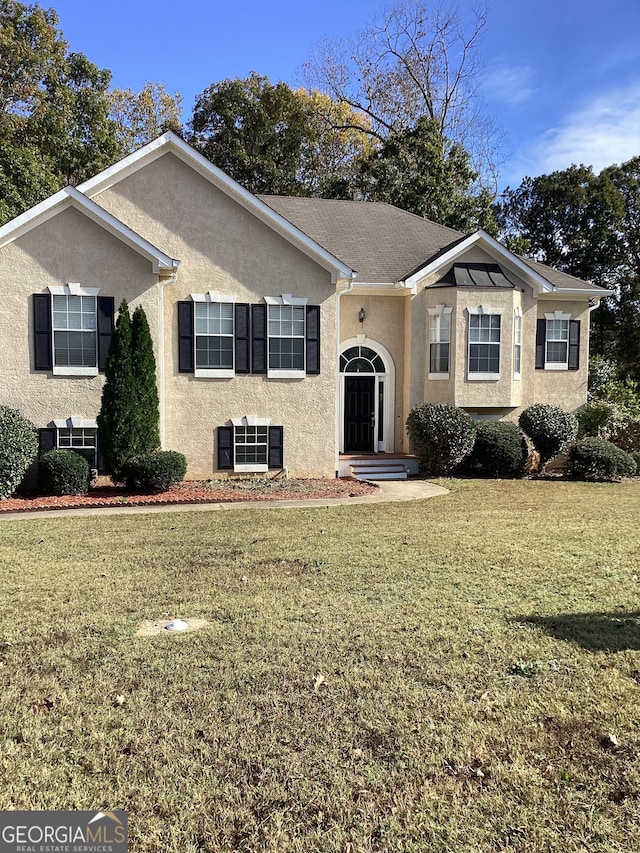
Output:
(66, 248)
(226, 249)
(565, 388)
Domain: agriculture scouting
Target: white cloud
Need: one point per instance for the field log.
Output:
(604, 131)
(508, 84)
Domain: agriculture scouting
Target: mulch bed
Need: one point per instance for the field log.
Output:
(197, 492)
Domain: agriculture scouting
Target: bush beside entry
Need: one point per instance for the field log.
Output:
(18, 449)
(441, 436)
(500, 450)
(63, 472)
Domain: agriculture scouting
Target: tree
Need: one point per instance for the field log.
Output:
(144, 380)
(54, 124)
(410, 62)
(117, 419)
(141, 117)
(412, 170)
(273, 139)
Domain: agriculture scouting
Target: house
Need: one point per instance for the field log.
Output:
(288, 332)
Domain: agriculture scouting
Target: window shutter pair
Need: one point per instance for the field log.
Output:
(574, 344)
(250, 338)
(43, 330)
(275, 456)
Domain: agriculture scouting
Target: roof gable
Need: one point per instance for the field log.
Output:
(71, 197)
(170, 143)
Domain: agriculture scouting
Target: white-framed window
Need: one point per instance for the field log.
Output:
(80, 435)
(75, 329)
(484, 343)
(251, 447)
(517, 344)
(286, 335)
(557, 341)
(214, 335)
(439, 342)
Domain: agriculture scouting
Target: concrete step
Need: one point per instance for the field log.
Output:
(381, 475)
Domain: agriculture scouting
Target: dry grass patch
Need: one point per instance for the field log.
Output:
(454, 674)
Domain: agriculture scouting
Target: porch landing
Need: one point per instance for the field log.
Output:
(377, 466)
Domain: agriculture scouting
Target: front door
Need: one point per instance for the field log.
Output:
(359, 413)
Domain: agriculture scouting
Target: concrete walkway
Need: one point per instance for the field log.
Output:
(388, 492)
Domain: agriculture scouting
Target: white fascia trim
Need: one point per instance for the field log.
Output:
(71, 197)
(75, 422)
(213, 296)
(491, 245)
(286, 299)
(170, 142)
(72, 289)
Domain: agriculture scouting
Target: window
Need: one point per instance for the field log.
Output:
(286, 337)
(82, 440)
(557, 344)
(439, 341)
(214, 336)
(250, 444)
(72, 330)
(484, 345)
(517, 344)
(361, 360)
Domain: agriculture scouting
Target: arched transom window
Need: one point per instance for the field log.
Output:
(361, 360)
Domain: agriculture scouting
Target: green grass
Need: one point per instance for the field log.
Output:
(477, 651)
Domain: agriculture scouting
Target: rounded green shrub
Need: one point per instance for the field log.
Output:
(63, 472)
(549, 427)
(441, 436)
(597, 459)
(155, 471)
(595, 419)
(500, 450)
(18, 449)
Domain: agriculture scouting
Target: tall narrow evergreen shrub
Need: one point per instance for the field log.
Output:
(146, 389)
(118, 417)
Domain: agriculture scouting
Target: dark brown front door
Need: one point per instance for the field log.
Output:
(359, 411)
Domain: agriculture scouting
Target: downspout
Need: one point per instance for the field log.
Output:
(161, 350)
(338, 403)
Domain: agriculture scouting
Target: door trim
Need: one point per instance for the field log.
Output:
(387, 444)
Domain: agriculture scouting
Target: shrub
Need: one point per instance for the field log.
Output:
(500, 450)
(18, 449)
(626, 435)
(441, 436)
(156, 471)
(597, 459)
(595, 419)
(63, 472)
(549, 427)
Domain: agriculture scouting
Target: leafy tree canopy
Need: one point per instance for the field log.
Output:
(142, 116)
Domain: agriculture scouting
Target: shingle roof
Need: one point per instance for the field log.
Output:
(380, 241)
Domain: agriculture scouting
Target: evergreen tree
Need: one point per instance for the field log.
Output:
(144, 378)
(117, 420)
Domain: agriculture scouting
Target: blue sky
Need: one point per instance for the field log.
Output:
(562, 77)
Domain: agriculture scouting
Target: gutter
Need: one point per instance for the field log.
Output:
(161, 353)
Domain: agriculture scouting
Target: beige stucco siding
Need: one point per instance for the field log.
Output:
(565, 388)
(224, 248)
(67, 248)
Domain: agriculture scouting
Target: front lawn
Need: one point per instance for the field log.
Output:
(457, 674)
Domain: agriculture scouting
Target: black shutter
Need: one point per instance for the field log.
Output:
(574, 344)
(225, 448)
(185, 337)
(259, 338)
(42, 331)
(313, 339)
(105, 328)
(541, 342)
(242, 342)
(46, 440)
(276, 446)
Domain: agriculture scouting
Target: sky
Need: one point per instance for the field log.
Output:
(561, 78)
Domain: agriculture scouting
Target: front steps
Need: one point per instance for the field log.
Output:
(380, 466)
